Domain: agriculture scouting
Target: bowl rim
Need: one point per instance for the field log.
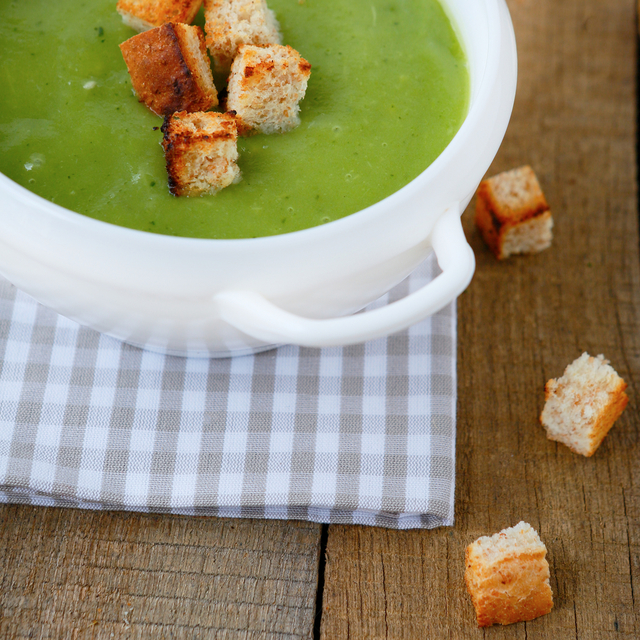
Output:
(475, 112)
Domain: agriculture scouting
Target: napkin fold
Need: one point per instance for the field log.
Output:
(363, 434)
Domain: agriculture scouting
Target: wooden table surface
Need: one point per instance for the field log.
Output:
(74, 574)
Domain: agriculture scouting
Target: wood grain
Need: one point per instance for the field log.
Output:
(520, 323)
(73, 574)
(66, 573)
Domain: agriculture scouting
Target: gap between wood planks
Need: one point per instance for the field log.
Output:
(322, 562)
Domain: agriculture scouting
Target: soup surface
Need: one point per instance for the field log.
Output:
(389, 88)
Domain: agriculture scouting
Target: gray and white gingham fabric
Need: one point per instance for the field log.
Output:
(362, 434)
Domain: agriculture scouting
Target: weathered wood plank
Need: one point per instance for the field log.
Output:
(520, 323)
(67, 573)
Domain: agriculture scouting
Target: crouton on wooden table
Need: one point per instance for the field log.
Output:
(230, 23)
(201, 152)
(582, 405)
(142, 15)
(265, 86)
(507, 576)
(170, 70)
(512, 213)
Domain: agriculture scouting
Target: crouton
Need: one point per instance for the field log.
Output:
(170, 70)
(200, 152)
(583, 404)
(265, 86)
(512, 213)
(230, 23)
(507, 576)
(142, 15)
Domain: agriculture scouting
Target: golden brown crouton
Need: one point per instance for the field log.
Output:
(170, 70)
(142, 15)
(265, 86)
(512, 213)
(583, 404)
(230, 23)
(507, 576)
(201, 152)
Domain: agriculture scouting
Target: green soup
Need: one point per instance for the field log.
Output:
(388, 90)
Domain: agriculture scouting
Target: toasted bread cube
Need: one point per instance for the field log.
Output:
(170, 70)
(201, 152)
(230, 23)
(142, 15)
(583, 404)
(507, 576)
(512, 213)
(265, 86)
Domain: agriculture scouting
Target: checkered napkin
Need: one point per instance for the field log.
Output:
(362, 434)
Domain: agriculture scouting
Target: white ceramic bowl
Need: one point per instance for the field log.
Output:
(225, 297)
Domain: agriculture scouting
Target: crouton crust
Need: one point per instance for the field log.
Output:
(230, 23)
(265, 86)
(507, 576)
(200, 152)
(512, 213)
(169, 69)
(142, 15)
(582, 406)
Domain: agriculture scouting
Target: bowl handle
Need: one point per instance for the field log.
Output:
(254, 315)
